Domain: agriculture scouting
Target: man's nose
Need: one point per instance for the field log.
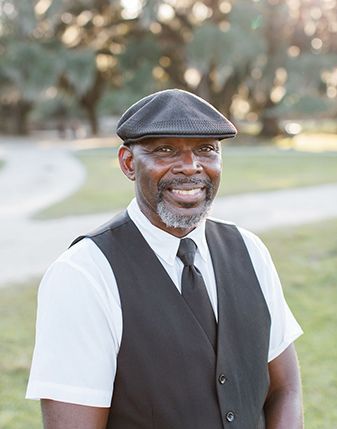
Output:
(187, 164)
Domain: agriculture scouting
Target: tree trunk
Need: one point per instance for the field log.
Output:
(14, 117)
(277, 38)
(92, 118)
(270, 127)
(90, 100)
(22, 112)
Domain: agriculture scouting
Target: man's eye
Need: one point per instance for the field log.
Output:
(208, 148)
(164, 149)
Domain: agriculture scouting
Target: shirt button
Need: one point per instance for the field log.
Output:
(222, 379)
(230, 416)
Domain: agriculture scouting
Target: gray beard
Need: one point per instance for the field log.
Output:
(174, 220)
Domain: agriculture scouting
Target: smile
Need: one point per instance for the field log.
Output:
(194, 191)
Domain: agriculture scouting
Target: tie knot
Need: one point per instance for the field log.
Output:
(186, 251)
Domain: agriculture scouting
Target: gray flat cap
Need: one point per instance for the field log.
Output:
(173, 113)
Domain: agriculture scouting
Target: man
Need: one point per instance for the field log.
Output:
(161, 318)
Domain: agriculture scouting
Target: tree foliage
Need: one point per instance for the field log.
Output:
(263, 60)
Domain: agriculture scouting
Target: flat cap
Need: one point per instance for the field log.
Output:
(173, 113)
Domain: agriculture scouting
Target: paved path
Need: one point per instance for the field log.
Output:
(266, 210)
(37, 175)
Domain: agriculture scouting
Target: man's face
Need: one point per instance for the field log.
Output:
(176, 179)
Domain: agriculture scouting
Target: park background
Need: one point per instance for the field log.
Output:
(68, 69)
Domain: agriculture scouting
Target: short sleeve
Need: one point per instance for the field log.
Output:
(284, 327)
(78, 330)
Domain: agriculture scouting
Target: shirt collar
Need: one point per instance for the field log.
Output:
(165, 245)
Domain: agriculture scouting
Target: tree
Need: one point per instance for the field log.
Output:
(245, 56)
(264, 60)
(26, 68)
(96, 36)
(290, 85)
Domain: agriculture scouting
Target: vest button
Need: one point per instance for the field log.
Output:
(222, 379)
(230, 416)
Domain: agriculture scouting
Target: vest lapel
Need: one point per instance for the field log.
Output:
(223, 279)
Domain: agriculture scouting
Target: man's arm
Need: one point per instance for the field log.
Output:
(283, 406)
(60, 415)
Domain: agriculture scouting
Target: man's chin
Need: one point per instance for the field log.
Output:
(184, 216)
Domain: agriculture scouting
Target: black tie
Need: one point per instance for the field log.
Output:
(194, 290)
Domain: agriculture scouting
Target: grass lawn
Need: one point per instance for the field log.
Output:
(306, 258)
(246, 169)
(17, 310)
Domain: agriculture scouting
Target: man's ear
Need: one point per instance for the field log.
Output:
(126, 161)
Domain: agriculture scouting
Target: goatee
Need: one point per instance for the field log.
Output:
(175, 220)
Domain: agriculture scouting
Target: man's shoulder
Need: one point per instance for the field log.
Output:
(250, 239)
(117, 221)
(221, 223)
(225, 225)
(83, 252)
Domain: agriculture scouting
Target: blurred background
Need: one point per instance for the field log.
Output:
(68, 69)
(263, 63)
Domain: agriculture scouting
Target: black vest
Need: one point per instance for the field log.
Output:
(168, 375)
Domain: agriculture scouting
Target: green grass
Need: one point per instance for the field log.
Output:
(17, 310)
(306, 258)
(245, 169)
(105, 188)
(268, 169)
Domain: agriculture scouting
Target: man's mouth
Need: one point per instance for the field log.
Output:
(182, 203)
(188, 192)
(186, 195)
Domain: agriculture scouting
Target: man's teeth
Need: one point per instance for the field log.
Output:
(186, 191)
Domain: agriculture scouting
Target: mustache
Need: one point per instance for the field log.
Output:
(171, 183)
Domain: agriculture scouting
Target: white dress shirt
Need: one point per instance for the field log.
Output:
(79, 317)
